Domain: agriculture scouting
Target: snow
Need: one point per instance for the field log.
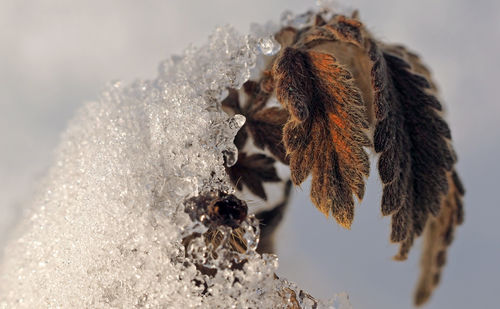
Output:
(107, 229)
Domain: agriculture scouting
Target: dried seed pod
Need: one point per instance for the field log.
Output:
(215, 209)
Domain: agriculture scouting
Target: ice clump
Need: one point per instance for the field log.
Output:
(266, 43)
(107, 229)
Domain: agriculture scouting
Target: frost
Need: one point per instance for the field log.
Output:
(107, 230)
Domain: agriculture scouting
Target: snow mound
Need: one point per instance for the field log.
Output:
(107, 230)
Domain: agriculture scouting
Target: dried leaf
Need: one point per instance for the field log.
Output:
(286, 36)
(412, 139)
(325, 131)
(241, 138)
(231, 104)
(264, 124)
(438, 237)
(266, 128)
(325, 134)
(232, 101)
(270, 219)
(421, 189)
(252, 171)
(338, 29)
(346, 29)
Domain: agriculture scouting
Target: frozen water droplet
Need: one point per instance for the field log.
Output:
(265, 37)
(269, 46)
(237, 122)
(230, 156)
(252, 234)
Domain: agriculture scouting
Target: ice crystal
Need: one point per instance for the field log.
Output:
(266, 42)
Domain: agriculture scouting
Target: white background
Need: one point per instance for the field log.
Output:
(56, 55)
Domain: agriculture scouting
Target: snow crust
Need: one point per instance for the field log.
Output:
(107, 230)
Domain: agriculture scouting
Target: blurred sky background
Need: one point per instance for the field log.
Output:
(56, 55)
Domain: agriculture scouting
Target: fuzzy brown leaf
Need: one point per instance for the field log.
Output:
(264, 124)
(324, 134)
(266, 128)
(413, 141)
(270, 219)
(252, 171)
(439, 234)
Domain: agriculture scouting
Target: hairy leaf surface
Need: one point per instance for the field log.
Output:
(413, 140)
(324, 135)
(252, 171)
